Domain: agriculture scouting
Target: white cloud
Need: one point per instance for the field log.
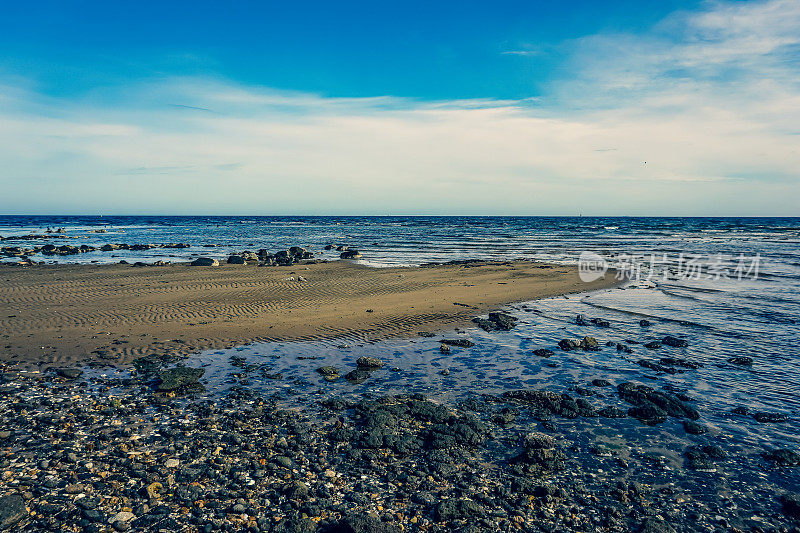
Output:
(705, 123)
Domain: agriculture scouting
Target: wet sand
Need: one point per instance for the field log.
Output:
(64, 314)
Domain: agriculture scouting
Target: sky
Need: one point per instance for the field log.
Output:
(676, 107)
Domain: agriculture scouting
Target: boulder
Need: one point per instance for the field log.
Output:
(236, 260)
(674, 342)
(369, 362)
(205, 261)
(350, 254)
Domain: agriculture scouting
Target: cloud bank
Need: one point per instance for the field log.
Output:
(700, 116)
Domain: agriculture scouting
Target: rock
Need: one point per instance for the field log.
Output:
(599, 322)
(154, 490)
(782, 457)
(769, 418)
(601, 383)
(652, 406)
(790, 505)
(350, 254)
(654, 345)
(236, 260)
(693, 428)
(172, 463)
(369, 362)
(645, 323)
(590, 344)
(296, 490)
(674, 342)
(443, 348)
(69, 373)
(12, 510)
(122, 516)
(581, 321)
(459, 343)
(357, 376)
(543, 352)
(568, 344)
(179, 378)
(503, 321)
(655, 525)
(743, 361)
(205, 261)
(457, 509)
(330, 373)
(364, 523)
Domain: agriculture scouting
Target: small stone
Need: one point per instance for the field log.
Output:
(369, 362)
(12, 510)
(172, 463)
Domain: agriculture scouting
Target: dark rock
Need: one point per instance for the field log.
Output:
(652, 406)
(654, 345)
(590, 344)
(674, 342)
(581, 321)
(654, 525)
(205, 261)
(363, 523)
(693, 428)
(783, 457)
(790, 505)
(236, 260)
(459, 343)
(350, 254)
(645, 323)
(601, 383)
(12, 510)
(69, 373)
(743, 361)
(330, 373)
(457, 509)
(180, 378)
(357, 376)
(369, 363)
(543, 352)
(612, 412)
(568, 344)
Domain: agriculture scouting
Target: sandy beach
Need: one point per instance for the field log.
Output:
(115, 313)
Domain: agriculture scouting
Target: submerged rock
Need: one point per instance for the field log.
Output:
(369, 362)
(543, 352)
(459, 343)
(782, 457)
(674, 342)
(742, 361)
(179, 379)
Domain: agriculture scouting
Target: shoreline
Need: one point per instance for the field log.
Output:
(113, 314)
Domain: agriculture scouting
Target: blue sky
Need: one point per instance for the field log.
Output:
(673, 107)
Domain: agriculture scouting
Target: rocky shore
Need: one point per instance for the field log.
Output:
(145, 450)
